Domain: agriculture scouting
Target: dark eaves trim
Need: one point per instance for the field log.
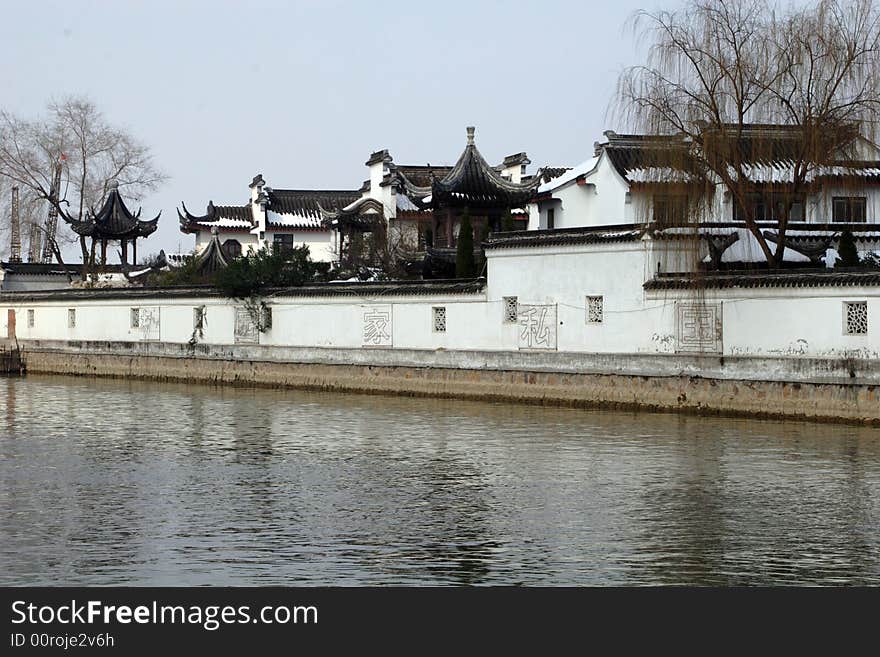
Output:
(368, 289)
(763, 280)
(564, 236)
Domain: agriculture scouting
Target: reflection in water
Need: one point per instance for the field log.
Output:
(116, 482)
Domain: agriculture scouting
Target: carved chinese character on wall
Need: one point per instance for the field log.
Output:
(376, 326)
(148, 322)
(537, 326)
(245, 327)
(698, 328)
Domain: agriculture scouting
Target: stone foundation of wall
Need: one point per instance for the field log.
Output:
(680, 388)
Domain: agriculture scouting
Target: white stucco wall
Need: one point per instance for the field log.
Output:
(247, 240)
(786, 321)
(791, 321)
(601, 201)
(604, 201)
(321, 243)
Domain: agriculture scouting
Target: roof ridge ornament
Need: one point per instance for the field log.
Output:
(470, 135)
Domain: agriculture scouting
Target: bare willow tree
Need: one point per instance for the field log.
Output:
(746, 84)
(92, 153)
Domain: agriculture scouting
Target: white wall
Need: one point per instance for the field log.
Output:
(793, 321)
(322, 247)
(602, 201)
(819, 208)
(786, 321)
(247, 240)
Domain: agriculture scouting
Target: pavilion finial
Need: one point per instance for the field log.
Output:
(113, 184)
(215, 231)
(470, 135)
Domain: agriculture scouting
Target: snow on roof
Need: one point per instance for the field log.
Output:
(657, 174)
(225, 222)
(572, 174)
(289, 220)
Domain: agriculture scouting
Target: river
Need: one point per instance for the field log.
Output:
(114, 482)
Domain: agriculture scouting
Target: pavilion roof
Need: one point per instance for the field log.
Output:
(211, 259)
(114, 221)
(473, 182)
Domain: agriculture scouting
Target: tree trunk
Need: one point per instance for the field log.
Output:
(85, 257)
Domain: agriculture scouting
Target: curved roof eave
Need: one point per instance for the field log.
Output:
(585, 168)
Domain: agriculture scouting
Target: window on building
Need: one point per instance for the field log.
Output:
(135, 318)
(551, 218)
(439, 319)
(770, 207)
(283, 242)
(231, 249)
(199, 317)
(855, 317)
(71, 318)
(511, 309)
(671, 210)
(850, 209)
(595, 309)
(30, 318)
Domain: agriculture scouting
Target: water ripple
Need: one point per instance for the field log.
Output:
(119, 482)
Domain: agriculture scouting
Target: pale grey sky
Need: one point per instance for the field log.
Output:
(302, 92)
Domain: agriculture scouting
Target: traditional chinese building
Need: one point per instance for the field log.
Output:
(114, 222)
(654, 181)
(420, 206)
(284, 217)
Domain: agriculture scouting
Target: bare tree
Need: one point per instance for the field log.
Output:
(741, 80)
(92, 153)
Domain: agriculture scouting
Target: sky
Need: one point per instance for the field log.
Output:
(303, 92)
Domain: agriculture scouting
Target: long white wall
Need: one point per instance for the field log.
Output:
(551, 288)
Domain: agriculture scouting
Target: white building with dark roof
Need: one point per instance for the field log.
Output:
(420, 206)
(286, 217)
(649, 180)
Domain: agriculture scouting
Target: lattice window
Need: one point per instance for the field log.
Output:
(511, 309)
(855, 317)
(595, 309)
(30, 318)
(135, 318)
(439, 319)
(199, 317)
(71, 318)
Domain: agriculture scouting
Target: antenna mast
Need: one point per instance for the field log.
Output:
(15, 238)
(52, 219)
(34, 243)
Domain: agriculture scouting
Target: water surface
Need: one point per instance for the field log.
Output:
(115, 482)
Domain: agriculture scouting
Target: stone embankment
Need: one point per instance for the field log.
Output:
(10, 359)
(792, 388)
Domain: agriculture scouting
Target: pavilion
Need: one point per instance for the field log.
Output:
(114, 222)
